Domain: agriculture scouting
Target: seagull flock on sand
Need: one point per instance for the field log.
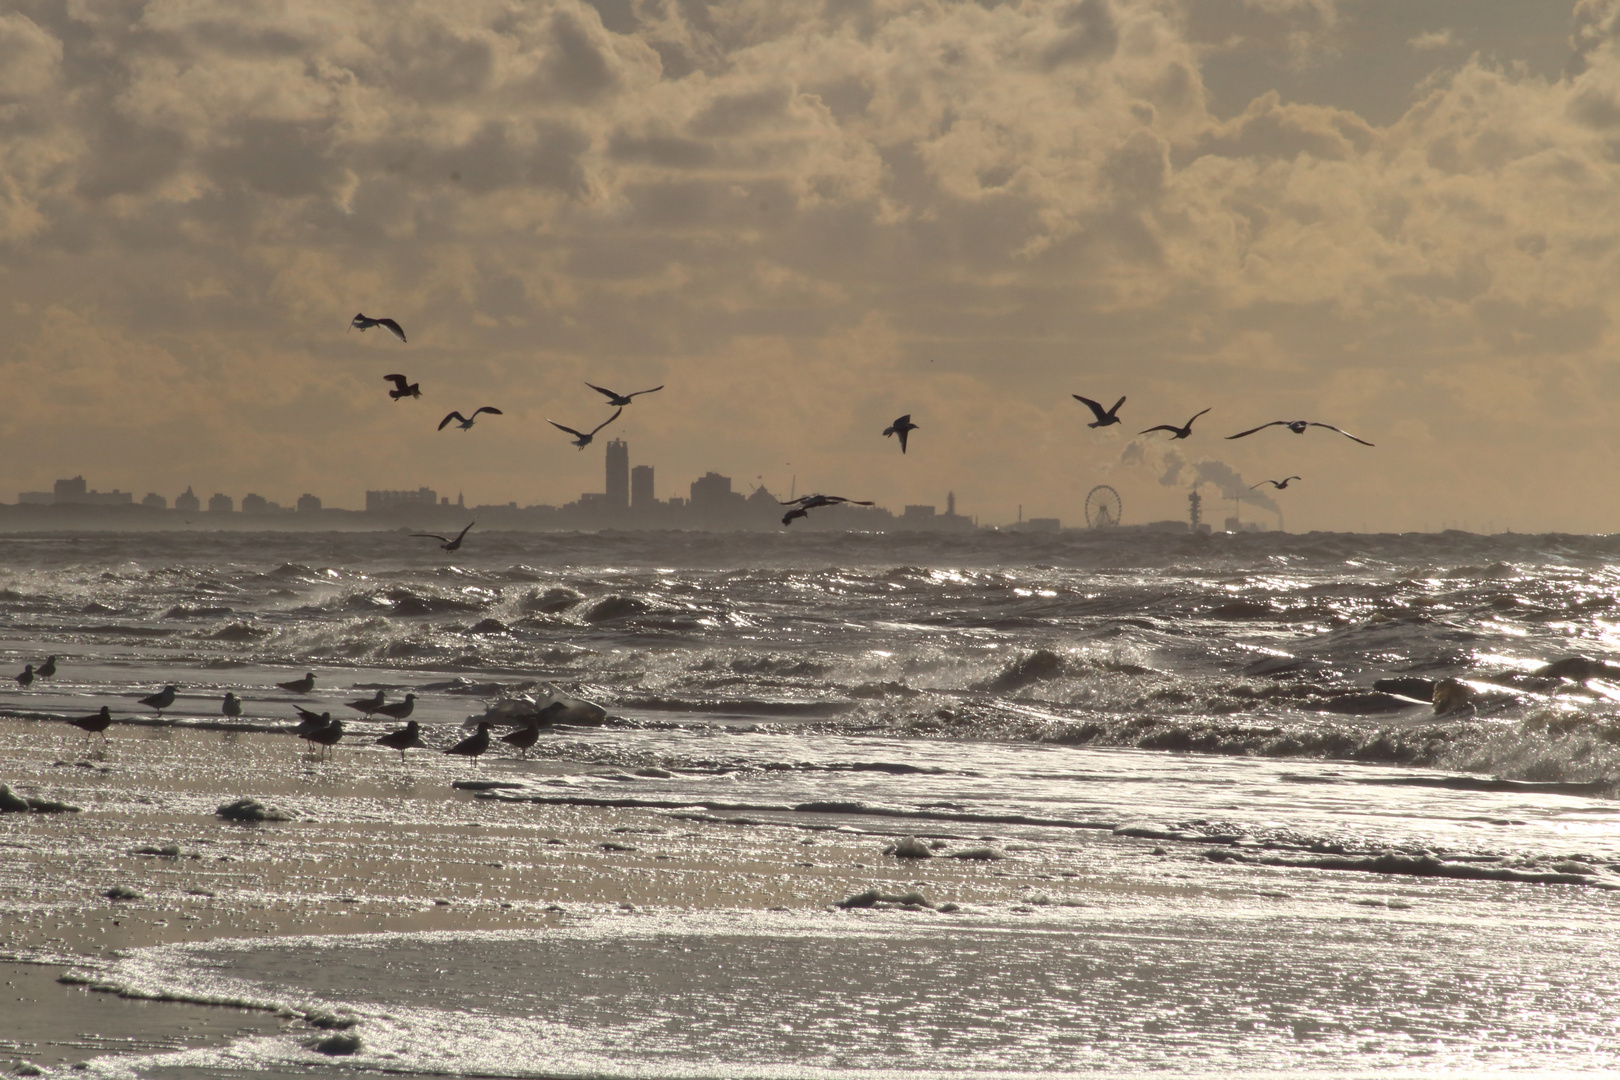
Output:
(321, 730)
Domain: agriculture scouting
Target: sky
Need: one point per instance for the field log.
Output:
(1401, 217)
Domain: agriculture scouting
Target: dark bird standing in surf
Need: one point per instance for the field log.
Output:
(362, 324)
(231, 706)
(26, 679)
(47, 669)
(160, 700)
(901, 427)
(1105, 417)
(448, 544)
(466, 422)
(399, 710)
(300, 686)
(310, 721)
(406, 738)
(474, 744)
(326, 736)
(1278, 484)
(583, 439)
(403, 388)
(621, 400)
(1298, 428)
(94, 724)
(523, 737)
(368, 705)
(1182, 432)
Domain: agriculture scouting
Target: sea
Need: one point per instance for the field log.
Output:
(1275, 805)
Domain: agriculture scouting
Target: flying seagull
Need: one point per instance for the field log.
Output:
(467, 421)
(1181, 432)
(403, 387)
(901, 427)
(582, 440)
(1298, 428)
(1278, 484)
(620, 400)
(361, 323)
(1104, 417)
(806, 503)
(300, 686)
(449, 544)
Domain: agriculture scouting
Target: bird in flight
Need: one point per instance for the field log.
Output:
(1181, 432)
(582, 439)
(447, 543)
(402, 388)
(362, 324)
(620, 400)
(1298, 428)
(806, 503)
(1104, 417)
(467, 421)
(1278, 484)
(901, 427)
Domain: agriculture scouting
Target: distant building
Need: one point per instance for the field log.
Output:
(384, 501)
(35, 498)
(75, 492)
(641, 488)
(918, 513)
(1043, 525)
(220, 503)
(254, 504)
(308, 504)
(711, 491)
(187, 502)
(155, 501)
(618, 474)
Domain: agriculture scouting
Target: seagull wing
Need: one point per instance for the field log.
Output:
(1262, 427)
(602, 390)
(453, 416)
(392, 327)
(1117, 404)
(638, 393)
(489, 409)
(1273, 483)
(434, 536)
(1195, 416)
(1159, 427)
(608, 421)
(903, 432)
(1094, 406)
(1341, 431)
(571, 431)
(401, 383)
(462, 533)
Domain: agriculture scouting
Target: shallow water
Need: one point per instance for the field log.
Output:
(1192, 834)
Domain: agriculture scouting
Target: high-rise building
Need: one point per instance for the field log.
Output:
(187, 502)
(641, 488)
(221, 503)
(618, 474)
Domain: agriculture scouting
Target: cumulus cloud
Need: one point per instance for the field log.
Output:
(806, 219)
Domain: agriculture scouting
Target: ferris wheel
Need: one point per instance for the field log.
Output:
(1103, 507)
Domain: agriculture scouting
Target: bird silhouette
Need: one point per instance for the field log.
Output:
(405, 738)
(300, 686)
(94, 724)
(326, 736)
(402, 387)
(901, 427)
(1104, 417)
(47, 669)
(1181, 432)
(792, 515)
(582, 439)
(26, 679)
(448, 544)
(523, 737)
(368, 705)
(1298, 428)
(362, 324)
(399, 710)
(806, 503)
(466, 422)
(231, 706)
(621, 400)
(310, 722)
(474, 744)
(1278, 484)
(160, 700)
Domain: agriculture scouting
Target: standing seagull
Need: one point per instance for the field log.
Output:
(449, 544)
(474, 744)
(95, 724)
(26, 677)
(160, 700)
(368, 705)
(362, 324)
(406, 738)
(402, 387)
(1278, 484)
(1181, 432)
(300, 686)
(466, 422)
(582, 440)
(327, 736)
(399, 710)
(523, 737)
(1104, 417)
(1298, 428)
(231, 706)
(47, 669)
(621, 400)
(901, 427)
